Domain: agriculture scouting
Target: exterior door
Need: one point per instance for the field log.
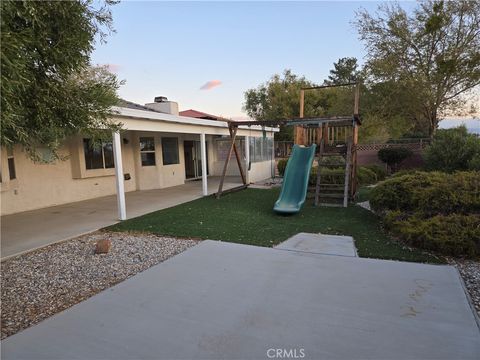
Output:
(193, 159)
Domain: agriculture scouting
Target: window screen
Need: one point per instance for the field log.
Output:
(170, 151)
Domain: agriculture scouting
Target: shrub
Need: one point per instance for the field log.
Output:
(432, 210)
(474, 163)
(452, 150)
(379, 171)
(281, 166)
(429, 193)
(366, 176)
(454, 234)
(333, 160)
(394, 156)
(337, 176)
(328, 176)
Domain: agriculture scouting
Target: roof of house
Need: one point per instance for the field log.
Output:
(133, 110)
(131, 105)
(201, 115)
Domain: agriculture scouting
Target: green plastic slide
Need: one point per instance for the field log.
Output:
(295, 180)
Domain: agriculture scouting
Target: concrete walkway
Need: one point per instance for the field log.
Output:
(320, 244)
(229, 301)
(33, 229)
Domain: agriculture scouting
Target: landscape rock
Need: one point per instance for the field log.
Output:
(103, 246)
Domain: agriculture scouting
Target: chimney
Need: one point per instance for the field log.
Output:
(161, 104)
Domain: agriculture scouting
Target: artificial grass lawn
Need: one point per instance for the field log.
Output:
(247, 217)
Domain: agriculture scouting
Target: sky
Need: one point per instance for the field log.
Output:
(205, 55)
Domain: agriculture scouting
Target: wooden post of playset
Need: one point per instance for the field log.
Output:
(298, 130)
(356, 117)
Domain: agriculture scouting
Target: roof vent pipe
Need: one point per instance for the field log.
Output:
(159, 99)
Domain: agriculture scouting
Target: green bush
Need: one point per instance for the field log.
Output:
(281, 166)
(430, 193)
(454, 234)
(452, 150)
(474, 163)
(333, 160)
(394, 156)
(379, 171)
(366, 176)
(337, 176)
(328, 176)
(432, 210)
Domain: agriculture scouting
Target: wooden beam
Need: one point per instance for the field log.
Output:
(222, 179)
(319, 134)
(357, 100)
(353, 186)
(315, 120)
(236, 188)
(348, 173)
(237, 156)
(298, 130)
(302, 102)
(329, 86)
(319, 165)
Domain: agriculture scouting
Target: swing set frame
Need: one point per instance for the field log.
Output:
(324, 135)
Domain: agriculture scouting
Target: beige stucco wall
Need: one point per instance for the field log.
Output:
(40, 185)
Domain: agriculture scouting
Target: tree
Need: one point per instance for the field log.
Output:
(278, 98)
(433, 53)
(394, 156)
(452, 150)
(344, 71)
(49, 90)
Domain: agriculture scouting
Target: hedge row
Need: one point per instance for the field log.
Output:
(429, 193)
(434, 211)
(453, 234)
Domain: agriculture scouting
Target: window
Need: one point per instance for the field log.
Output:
(11, 164)
(147, 151)
(261, 149)
(98, 157)
(170, 151)
(223, 147)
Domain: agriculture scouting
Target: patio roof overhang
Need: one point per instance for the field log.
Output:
(141, 120)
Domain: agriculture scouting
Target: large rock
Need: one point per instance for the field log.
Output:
(103, 246)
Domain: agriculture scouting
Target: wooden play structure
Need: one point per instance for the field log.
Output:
(336, 137)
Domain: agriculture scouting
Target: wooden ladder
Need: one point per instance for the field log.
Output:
(332, 194)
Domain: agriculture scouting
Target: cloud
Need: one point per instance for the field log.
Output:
(209, 85)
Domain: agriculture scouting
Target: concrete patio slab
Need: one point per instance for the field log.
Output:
(229, 301)
(320, 244)
(34, 229)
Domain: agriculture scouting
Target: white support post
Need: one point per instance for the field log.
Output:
(203, 150)
(272, 157)
(247, 158)
(117, 155)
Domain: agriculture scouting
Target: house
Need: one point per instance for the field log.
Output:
(201, 115)
(158, 148)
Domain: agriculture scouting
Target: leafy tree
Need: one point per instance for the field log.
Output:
(453, 149)
(345, 70)
(278, 98)
(433, 53)
(49, 90)
(394, 156)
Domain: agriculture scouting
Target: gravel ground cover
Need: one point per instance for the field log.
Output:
(44, 282)
(470, 272)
